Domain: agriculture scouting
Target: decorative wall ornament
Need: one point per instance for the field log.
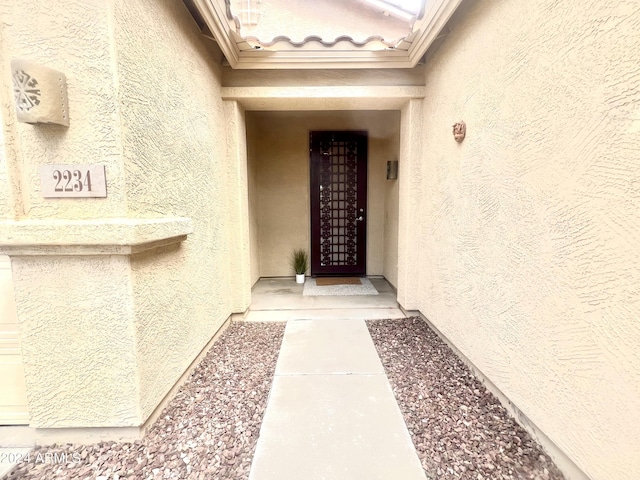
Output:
(40, 93)
(459, 131)
(26, 91)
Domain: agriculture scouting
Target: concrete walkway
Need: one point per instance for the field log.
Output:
(331, 413)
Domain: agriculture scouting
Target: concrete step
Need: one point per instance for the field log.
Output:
(318, 314)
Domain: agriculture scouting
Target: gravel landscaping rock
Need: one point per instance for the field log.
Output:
(208, 431)
(460, 430)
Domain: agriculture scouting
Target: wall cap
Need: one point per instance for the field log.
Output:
(110, 236)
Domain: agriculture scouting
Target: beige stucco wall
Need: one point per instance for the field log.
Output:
(39, 31)
(252, 194)
(52, 294)
(105, 337)
(391, 217)
(78, 341)
(175, 156)
(278, 153)
(527, 232)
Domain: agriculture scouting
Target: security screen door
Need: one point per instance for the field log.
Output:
(338, 203)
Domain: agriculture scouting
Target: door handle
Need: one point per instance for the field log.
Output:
(360, 218)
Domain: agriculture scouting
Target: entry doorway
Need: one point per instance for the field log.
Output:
(338, 171)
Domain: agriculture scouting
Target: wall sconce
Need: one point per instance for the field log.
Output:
(40, 93)
(392, 170)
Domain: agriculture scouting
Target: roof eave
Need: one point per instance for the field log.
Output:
(428, 27)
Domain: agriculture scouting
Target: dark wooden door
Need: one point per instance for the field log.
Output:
(338, 203)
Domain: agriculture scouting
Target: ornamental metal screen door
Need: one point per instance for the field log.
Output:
(338, 203)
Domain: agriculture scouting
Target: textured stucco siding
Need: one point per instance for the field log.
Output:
(175, 146)
(238, 219)
(74, 37)
(279, 154)
(106, 337)
(64, 304)
(391, 218)
(74, 302)
(8, 182)
(410, 199)
(252, 194)
(527, 233)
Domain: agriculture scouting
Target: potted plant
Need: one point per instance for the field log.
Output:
(300, 262)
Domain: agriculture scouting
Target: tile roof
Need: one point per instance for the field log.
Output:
(324, 33)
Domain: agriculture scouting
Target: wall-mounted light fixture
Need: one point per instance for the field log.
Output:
(392, 170)
(40, 93)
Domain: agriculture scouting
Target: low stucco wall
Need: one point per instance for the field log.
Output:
(278, 153)
(526, 234)
(78, 345)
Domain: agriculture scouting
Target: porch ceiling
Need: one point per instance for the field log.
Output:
(325, 48)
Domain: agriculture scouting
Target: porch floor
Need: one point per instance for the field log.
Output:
(281, 299)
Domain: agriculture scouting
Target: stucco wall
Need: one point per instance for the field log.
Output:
(391, 217)
(66, 370)
(175, 143)
(106, 336)
(279, 152)
(40, 32)
(7, 180)
(64, 303)
(528, 230)
(252, 193)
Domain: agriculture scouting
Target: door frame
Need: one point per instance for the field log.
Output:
(362, 140)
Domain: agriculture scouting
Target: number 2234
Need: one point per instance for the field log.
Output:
(72, 180)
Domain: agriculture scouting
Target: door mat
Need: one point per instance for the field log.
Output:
(326, 281)
(312, 289)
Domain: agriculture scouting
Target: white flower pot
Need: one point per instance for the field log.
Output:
(299, 277)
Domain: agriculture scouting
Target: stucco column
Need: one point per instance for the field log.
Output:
(75, 307)
(410, 178)
(238, 212)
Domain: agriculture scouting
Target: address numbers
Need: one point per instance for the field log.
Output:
(75, 181)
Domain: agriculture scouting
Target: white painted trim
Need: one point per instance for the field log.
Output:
(323, 98)
(215, 16)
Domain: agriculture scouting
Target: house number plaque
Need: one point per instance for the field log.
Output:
(76, 181)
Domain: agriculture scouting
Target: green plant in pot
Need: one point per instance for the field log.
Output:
(300, 263)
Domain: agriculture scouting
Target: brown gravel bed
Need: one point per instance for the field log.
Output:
(208, 431)
(460, 430)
